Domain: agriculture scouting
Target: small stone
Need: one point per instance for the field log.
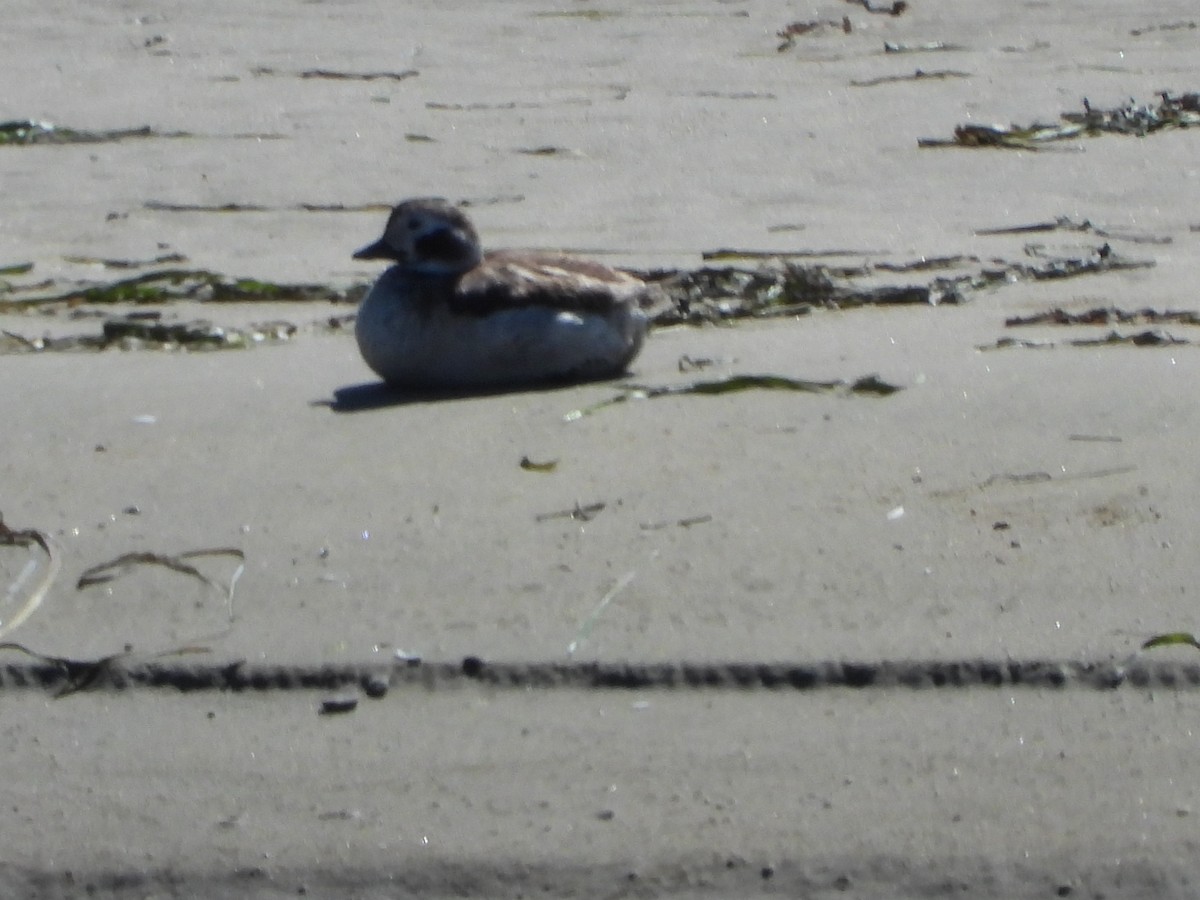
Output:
(333, 706)
(376, 686)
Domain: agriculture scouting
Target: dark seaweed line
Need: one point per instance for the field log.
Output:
(63, 676)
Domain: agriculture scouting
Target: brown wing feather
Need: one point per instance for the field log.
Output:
(507, 279)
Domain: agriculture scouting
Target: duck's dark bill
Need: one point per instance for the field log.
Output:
(377, 250)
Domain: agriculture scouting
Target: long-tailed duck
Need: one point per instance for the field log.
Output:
(450, 315)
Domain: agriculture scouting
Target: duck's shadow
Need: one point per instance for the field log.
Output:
(380, 395)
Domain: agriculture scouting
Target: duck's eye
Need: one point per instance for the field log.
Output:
(414, 224)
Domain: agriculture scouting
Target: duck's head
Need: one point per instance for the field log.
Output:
(427, 235)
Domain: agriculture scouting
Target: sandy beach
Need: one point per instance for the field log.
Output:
(1026, 496)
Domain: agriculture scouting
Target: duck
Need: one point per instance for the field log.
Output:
(447, 314)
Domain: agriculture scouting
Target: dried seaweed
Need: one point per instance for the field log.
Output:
(687, 363)
(1148, 338)
(728, 254)
(545, 467)
(681, 523)
(1172, 111)
(122, 565)
(712, 294)
(918, 75)
(1173, 639)
(337, 75)
(24, 132)
(927, 47)
(115, 568)
(125, 330)
(591, 15)
(29, 132)
(78, 675)
(13, 269)
(548, 150)
(359, 76)
(737, 95)
(577, 512)
(1107, 315)
(1010, 136)
(126, 263)
(1030, 478)
(788, 33)
(1084, 226)
(476, 107)
(870, 384)
(137, 333)
(1101, 259)
(1169, 26)
(166, 285)
(1102, 316)
(926, 263)
(16, 343)
(28, 537)
(164, 206)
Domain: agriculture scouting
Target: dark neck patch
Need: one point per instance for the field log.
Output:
(444, 246)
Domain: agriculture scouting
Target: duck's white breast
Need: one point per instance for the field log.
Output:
(408, 343)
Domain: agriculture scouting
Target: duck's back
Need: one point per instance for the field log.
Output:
(509, 278)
